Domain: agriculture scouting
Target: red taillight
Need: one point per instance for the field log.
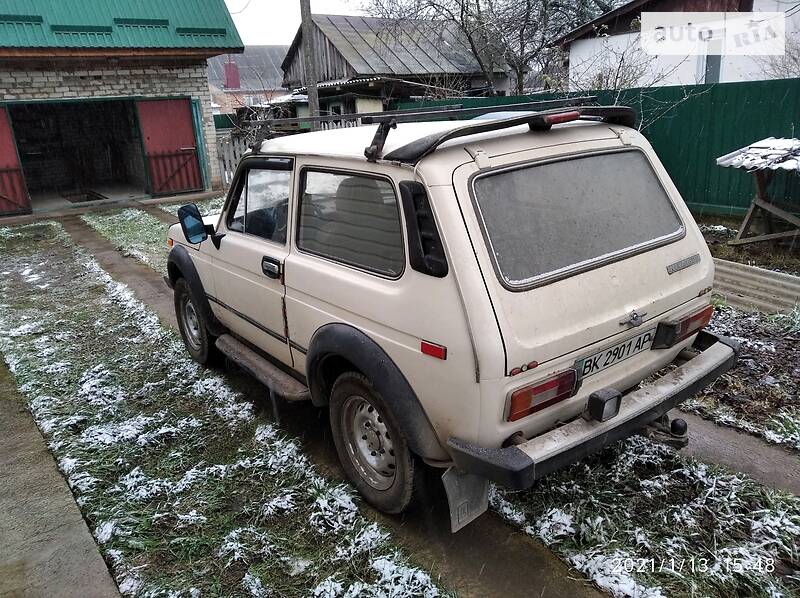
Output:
(532, 398)
(434, 350)
(671, 333)
(562, 117)
(689, 325)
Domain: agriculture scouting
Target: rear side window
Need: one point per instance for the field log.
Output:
(545, 220)
(351, 219)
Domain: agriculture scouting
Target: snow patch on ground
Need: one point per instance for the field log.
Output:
(163, 456)
(638, 517)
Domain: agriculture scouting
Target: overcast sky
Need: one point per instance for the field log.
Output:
(267, 22)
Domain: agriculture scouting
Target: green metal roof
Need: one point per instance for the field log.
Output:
(117, 24)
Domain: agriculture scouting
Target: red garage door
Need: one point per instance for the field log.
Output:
(13, 194)
(169, 144)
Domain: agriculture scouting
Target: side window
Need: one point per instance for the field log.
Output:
(262, 207)
(236, 212)
(351, 219)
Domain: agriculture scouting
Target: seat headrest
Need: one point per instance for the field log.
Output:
(358, 188)
(360, 195)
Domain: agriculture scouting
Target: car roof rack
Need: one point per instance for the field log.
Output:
(388, 120)
(457, 112)
(542, 120)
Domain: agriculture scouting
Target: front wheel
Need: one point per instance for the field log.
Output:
(195, 336)
(371, 448)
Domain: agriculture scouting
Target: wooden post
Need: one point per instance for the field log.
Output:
(309, 59)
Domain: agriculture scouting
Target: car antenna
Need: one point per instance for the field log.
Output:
(376, 147)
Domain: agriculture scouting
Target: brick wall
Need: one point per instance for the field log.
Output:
(145, 80)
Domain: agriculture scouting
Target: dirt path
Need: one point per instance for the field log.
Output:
(770, 464)
(163, 216)
(148, 286)
(487, 558)
(46, 548)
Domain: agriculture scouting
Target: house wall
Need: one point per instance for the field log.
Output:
(148, 80)
(366, 105)
(331, 65)
(501, 82)
(230, 100)
(589, 56)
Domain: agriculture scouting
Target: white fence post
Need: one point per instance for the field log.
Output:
(230, 147)
(229, 151)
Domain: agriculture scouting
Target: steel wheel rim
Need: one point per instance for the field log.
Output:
(191, 324)
(369, 443)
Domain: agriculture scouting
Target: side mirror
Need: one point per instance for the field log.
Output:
(192, 224)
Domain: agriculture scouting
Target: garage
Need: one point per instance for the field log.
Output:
(109, 101)
(79, 151)
(84, 151)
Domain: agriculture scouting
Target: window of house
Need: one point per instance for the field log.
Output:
(351, 219)
(262, 207)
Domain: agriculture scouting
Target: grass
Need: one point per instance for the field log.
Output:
(135, 233)
(718, 230)
(207, 207)
(759, 395)
(186, 487)
(640, 520)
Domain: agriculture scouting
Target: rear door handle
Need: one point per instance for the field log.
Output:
(271, 267)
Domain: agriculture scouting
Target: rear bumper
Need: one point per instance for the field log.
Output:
(519, 466)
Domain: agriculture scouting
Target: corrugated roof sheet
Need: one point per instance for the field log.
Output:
(117, 24)
(376, 46)
(259, 68)
(351, 82)
(770, 153)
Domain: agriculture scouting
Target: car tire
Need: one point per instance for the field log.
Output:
(371, 448)
(196, 338)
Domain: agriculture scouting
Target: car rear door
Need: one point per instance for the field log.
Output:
(248, 267)
(571, 246)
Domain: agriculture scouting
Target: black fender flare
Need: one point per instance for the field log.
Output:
(180, 265)
(345, 341)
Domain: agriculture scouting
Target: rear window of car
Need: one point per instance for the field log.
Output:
(543, 221)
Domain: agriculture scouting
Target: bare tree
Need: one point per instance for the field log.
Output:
(620, 63)
(469, 17)
(513, 34)
(522, 30)
(786, 66)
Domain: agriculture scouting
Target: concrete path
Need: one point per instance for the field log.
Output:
(79, 209)
(45, 547)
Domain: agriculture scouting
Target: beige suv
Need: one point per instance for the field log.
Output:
(482, 296)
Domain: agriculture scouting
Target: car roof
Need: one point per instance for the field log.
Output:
(350, 142)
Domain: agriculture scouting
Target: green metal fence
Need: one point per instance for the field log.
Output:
(690, 126)
(224, 121)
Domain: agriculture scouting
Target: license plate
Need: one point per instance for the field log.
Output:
(610, 356)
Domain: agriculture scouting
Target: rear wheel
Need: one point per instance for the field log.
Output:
(371, 448)
(198, 342)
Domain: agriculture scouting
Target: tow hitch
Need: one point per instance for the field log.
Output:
(672, 432)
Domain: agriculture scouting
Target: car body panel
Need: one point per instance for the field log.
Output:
(487, 329)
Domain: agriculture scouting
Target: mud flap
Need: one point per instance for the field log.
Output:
(467, 496)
